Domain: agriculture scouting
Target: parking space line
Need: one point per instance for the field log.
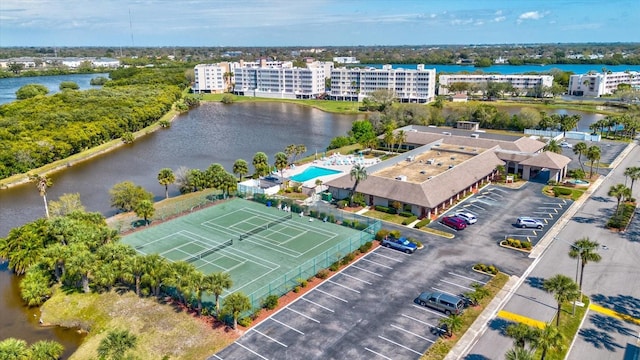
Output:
(344, 286)
(269, 337)
(367, 271)
(377, 353)
(468, 278)
(303, 315)
(217, 357)
(356, 278)
(429, 311)
(478, 206)
(249, 350)
(458, 285)
(414, 334)
(417, 320)
(498, 189)
(552, 203)
(440, 290)
(389, 257)
(398, 344)
(371, 261)
(316, 304)
(333, 296)
(285, 325)
(546, 207)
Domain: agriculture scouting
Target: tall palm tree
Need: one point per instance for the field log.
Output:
(219, 282)
(400, 139)
(281, 163)
(300, 149)
(593, 154)
(42, 184)
(563, 288)
(116, 344)
(241, 168)
(157, 272)
(166, 178)
(553, 146)
(633, 173)
(519, 353)
(586, 250)
(81, 264)
(453, 323)
(234, 305)
(580, 149)
(46, 350)
(181, 274)
(389, 138)
(619, 191)
(521, 334)
(134, 270)
(358, 173)
(549, 338)
(261, 163)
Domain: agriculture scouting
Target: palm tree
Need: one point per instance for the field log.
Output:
(46, 350)
(54, 256)
(134, 270)
(116, 344)
(400, 138)
(145, 210)
(563, 288)
(220, 282)
(633, 173)
(593, 154)
(521, 334)
(166, 178)
(281, 163)
(234, 305)
(358, 173)
(241, 168)
(549, 338)
(299, 150)
(580, 149)
(453, 323)
(42, 184)
(619, 191)
(261, 163)
(519, 353)
(553, 146)
(181, 274)
(157, 271)
(585, 249)
(389, 138)
(81, 264)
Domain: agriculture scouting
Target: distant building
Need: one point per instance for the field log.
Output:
(522, 83)
(346, 60)
(72, 62)
(600, 84)
(355, 84)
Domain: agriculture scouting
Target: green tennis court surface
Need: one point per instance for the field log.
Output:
(254, 243)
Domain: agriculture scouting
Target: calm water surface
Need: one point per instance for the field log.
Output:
(9, 86)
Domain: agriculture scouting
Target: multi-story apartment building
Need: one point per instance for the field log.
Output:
(600, 84)
(280, 82)
(523, 84)
(355, 84)
(211, 78)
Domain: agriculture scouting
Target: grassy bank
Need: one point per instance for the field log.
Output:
(339, 107)
(162, 330)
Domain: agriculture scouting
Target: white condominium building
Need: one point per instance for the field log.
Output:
(211, 78)
(355, 84)
(522, 83)
(600, 84)
(280, 82)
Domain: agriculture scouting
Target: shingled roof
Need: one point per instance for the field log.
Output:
(547, 160)
(523, 144)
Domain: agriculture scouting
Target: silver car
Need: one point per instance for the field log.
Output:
(468, 217)
(527, 222)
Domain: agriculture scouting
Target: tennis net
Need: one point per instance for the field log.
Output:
(208, 252)
(265, 227)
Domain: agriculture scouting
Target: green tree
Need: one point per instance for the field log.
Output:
(81, 265)
(593, 154)
(42, 184)
(261, 164)
(181, 273)
(281, 163)
(519, 353)
(15, 67)
(69, 85)
(14, 349)
(35, 286)
(157, 272)
(483, 62)
(563, 289)
(126, 195)
(241, 168)
(619, 191)
(479, 292)
(400, 138)
(549, 338)
(633, 173)
(200, 284)
(128, 137)
(166, 177)
(116, 344)
(300, 149)
(46, 350)
(66, 204)
(453, 323)
(553, 146)
(580, 149)
(587, 251)
(31, 90)
(290, 151)
(358, 173)
(568, 122)
(521, 334)
(145, 209)
(220, 281)
(234, 305)
(134, 269)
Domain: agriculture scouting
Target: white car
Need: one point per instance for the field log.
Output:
(467, 217)
(565, 144)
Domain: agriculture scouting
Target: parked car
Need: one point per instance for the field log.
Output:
(527, 222)
(446, 303)
(567, 145)
(467, 217)
(401, 244)
(454, 222)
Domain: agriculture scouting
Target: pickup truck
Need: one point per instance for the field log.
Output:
(401, 244)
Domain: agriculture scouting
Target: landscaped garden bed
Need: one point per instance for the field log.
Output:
(515, 244)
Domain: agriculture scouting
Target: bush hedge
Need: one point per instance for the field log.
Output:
(621, 220)
(489, 269)
(385, 209)
(406, 214)
(422, 223)
(557, 191)
(409, 220)
(518, 244)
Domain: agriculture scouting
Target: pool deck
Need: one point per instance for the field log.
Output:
(342, 163)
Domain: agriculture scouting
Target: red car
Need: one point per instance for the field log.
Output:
(454, 222)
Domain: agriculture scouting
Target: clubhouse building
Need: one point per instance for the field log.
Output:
(441, 167)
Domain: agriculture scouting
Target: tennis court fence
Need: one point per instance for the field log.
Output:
(265, 227)
(208, 252)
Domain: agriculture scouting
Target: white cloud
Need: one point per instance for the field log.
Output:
(499, 18)
(530, 15)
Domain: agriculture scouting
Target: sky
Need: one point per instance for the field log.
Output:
(229, 23)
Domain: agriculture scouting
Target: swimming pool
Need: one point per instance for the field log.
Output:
(313, 172)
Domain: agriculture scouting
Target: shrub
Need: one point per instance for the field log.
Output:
(381, 234)
(270, 302)
(227, 99)
(396, 234)
(576, 173)
(385, 209)
(480, 267)
(526, 245)
(492, 269)
(365, 247)
(335, 266)
(322, 274)
(422, 223)
(342, 204)
(409, 220)
(303, 282)
(348, 258)
(418, 243)
(406, 214)
(245, 321)
(561, 191)
(296, 289)
(346, 222)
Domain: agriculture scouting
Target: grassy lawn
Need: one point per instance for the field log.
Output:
(575, 192)
(443, 345)
(392, 218)
(569, 325)
(341, 107)
(162, 330)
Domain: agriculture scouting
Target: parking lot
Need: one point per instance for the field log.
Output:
(609, 150)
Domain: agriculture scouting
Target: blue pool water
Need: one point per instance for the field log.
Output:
(313, 172)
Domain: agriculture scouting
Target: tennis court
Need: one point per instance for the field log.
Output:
(254, 243)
